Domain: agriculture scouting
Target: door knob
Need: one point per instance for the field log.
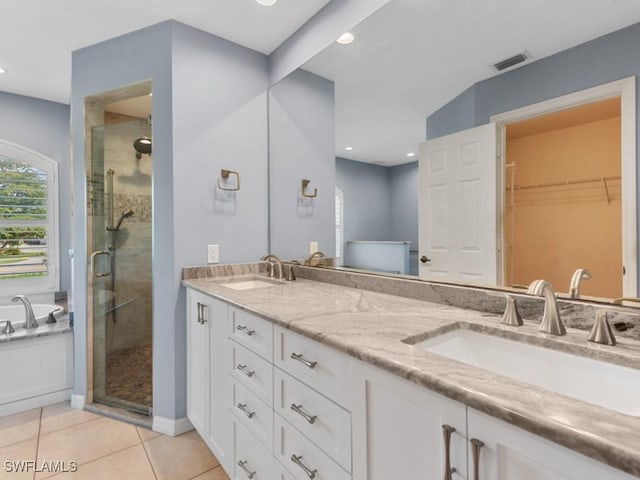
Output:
(424, 259)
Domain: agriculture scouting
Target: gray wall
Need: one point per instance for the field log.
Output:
(403, 208)
(43, 126)
(301, 145)
(209, 112)
(605, 59)
(366, 199)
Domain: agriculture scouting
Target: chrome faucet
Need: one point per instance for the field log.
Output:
(551, 321)
(579, 275)
(310, 258)
(271, 258)
(30, 321)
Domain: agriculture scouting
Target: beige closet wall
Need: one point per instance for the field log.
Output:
(552, 230)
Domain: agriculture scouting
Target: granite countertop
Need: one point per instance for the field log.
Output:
(42, 330)
(371, 326)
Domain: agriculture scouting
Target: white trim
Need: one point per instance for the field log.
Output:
(626, 90)
(171, 426)
(78, 401)
(35, 402)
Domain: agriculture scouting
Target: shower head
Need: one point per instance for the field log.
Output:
(126, 214)
(142, 145)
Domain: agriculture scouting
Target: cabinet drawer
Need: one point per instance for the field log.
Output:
(253, 413)
(326, 424)
(253, 332)
(301, 457)
(252, 461)
(320, 367)
(252, 371)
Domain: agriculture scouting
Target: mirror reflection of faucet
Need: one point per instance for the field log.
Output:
(579, 275)
(309, 260)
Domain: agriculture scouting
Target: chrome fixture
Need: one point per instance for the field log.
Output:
(8, 328)
(290, 274)
(30, 320)
(310, 258)
(271, 258)
(511, 315)
(601, 331)
(51, 318)
(551, 322)
(126, 214)
(579, 275)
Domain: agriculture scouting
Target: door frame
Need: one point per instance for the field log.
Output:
(626, 90)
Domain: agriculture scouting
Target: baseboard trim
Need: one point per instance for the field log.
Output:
(78, 401)
(34, 402)
(171, 426)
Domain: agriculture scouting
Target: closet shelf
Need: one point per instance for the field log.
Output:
(602, 180)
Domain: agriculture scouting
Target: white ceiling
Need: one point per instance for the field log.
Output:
(38, 36)
(413, 56)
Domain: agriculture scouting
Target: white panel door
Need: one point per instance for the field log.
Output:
(458, 209)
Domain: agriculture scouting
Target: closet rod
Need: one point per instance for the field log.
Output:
(566, 183)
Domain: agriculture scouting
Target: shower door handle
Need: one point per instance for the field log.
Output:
(94, 264)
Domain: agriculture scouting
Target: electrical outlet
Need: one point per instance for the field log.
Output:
(213, 253)
(313, 247)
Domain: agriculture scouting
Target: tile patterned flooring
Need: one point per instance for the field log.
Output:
(129, 373)
(102, 448)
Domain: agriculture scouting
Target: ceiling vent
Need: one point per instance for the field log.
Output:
(510, 62)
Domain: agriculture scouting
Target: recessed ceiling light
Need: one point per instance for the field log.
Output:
(346, 38)
(151, 94)
(2, 70)
(348, 149)
(267, 3)
(411, 154)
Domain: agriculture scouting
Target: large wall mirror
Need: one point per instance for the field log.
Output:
(562, 193)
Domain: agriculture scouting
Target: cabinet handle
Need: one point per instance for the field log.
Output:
(243, 408)
(199, 312)
(246, 371)
(447, 430)
(244, 329)
(243, 465)
(476, 445)
(309, 418)
(204, 307)
(298, 461)
(301, 359)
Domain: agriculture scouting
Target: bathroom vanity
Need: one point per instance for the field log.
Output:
(313, 380)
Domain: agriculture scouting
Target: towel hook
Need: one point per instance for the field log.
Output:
(224, 173)
(305, 184)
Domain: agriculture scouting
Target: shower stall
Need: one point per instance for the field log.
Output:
(119, 223)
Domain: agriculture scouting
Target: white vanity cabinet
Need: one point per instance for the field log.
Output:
(399, 429)
(507, 452)
(208, 385)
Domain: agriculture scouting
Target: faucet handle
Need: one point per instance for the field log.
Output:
(51, 318)
(8, 328)
(601, 331)
(511, 315)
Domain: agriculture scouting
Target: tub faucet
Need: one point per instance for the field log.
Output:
(551, 321)
(310, 258)
(579, 275)
(271, 258)
(30, 320)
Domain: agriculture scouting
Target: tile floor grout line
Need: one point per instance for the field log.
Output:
(153, 470)
(207, 471)
(38, 443)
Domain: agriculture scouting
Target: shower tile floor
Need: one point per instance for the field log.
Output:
(129, 375)
(102, 448)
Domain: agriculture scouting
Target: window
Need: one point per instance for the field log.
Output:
(28, 221)
(339, 224)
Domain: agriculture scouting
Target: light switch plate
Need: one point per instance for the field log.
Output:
(213, 253)
(313, 247)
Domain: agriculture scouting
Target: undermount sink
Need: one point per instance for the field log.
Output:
(600, 383)
(250, 284)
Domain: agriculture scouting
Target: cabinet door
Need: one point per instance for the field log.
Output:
(398, 429)
(197, 363)
(509, 453)
(220, 425)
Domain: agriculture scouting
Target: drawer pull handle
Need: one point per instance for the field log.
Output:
(202, 318)
(309, 418)
(246, 371)
(244, 329)
(447, 430)
(243, 465)
(301, 359)
(298, 461)
(243, 408)
(476, 445)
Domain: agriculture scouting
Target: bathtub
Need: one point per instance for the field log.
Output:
(16, 313)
